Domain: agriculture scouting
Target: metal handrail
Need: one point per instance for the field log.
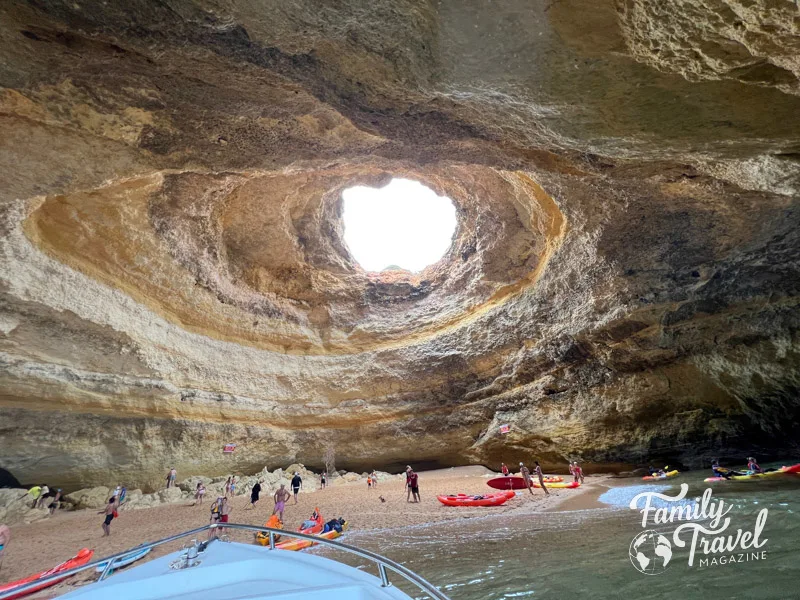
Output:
(382, 562)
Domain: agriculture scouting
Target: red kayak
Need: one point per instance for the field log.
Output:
(518, 483)
(507, 483)
(81, 558)
(792, 469)
(495, 499)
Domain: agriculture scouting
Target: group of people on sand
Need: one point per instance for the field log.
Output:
(41, 494)
(221, 508)
(574, 469)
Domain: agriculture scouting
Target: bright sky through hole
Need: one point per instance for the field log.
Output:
(403, 224)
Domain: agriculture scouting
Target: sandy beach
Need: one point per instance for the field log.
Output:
(41, 545)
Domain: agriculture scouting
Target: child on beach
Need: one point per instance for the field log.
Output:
(199, 492)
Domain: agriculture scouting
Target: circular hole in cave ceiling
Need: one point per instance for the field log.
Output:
(403, 225)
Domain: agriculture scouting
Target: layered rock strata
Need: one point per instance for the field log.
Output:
(623, 282)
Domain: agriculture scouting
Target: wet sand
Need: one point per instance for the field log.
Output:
(41, 545)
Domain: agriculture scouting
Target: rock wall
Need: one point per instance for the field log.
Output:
(623, 283)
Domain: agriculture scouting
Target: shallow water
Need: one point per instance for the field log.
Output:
(586, 553)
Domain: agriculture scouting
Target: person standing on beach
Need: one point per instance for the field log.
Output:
(323, 480)
(199, 492)
(254, 493)
(110, 512)
(55, 503)
(504, 469)
(233, 486)
(540, 475)
(412, 483)
(5, 537)
(34, 493)
(42, 495)
(171, 477)
(297, 483)
(216, 507)
(577, 472)
(374, 476)
(225, 510)
(227, 487)
(526, 475)
(281, 497)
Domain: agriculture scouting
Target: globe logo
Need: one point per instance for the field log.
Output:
(650, 552)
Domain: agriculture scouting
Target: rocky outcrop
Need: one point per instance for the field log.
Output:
(622, 283)
(16, 507)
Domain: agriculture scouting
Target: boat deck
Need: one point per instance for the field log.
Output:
(234, 571)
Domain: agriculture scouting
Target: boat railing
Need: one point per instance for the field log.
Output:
(384, 564)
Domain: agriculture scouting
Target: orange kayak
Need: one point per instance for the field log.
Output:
(81, 558)
(301, 544)
(317, 527)
(495, 499)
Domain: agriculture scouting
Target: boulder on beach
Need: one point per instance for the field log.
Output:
(15, 507)
(96, 497)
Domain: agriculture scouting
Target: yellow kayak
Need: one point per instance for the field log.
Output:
(558, 485)
(667, 475)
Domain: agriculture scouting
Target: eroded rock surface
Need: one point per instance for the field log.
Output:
(623, 282)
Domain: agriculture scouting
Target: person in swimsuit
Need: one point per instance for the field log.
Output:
(526, 475)
(374, 476)
(227, 487)
(171, 477)
(323, 480)
(297, 483)
(369, 482)
(578, 472)
(224, 510)
(110, 512)
(540, 475)
(504, 469)
(5, 537)
(199, 492)
(216, 507)
(254, 493)
(233, 486)
(281, 497)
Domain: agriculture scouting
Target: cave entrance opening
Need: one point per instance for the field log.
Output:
(403, 225)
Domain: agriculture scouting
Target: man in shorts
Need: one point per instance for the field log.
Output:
(297, 483)
(171, 477)
(224, 510)
(412, 484)
(110, 511)
(280, 497)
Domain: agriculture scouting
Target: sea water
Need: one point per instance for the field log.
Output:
(585, 554)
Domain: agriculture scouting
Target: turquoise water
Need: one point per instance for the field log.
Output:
(585, 554)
